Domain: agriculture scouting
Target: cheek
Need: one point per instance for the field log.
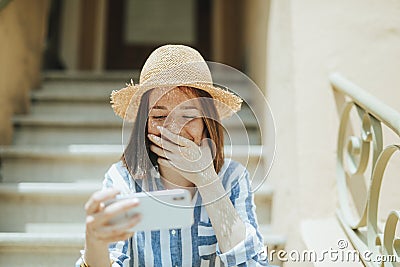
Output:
(152, 126)
(195, 129)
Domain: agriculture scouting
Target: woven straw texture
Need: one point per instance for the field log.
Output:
(171, 66)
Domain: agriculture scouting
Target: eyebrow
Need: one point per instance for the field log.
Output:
(188, 107)
(159, 107)
(182, 107)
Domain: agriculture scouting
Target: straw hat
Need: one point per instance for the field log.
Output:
(173, 65)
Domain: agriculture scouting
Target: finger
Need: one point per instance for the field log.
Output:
(116, 238)
(160, 152)
(165, 163)
(208, 144)
(163, 143)
(98, 220)
(120, 228)
(93, 204)
(175, 138)
(113, 210)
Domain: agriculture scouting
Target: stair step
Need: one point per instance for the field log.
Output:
(73, 108)
(237, 152)
(53, 129)
(76, 239)
(25, 204)
(236, 82)
(45, 190)
(76, 91)
(44, 249)
(330, 229)
(239, 84)
(88, 162)
(273, 240)
(55, 227)
(218, 74)
(66, 121)
(57, 164)
(28, 206)
(40, 249)
(50, 96)
(66, 76)
(57, 101)
(86, 115)
(45, 240)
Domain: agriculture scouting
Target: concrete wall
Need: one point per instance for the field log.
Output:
(308, 40)
(23, 25)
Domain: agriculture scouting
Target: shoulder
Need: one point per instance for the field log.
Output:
(117, 168)
(118, 174)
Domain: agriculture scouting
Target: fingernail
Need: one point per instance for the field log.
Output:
(134, 201)
(156, 138)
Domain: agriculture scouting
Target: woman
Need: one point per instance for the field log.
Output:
(176, 142)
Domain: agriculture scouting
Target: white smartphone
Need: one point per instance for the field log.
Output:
(165, 209)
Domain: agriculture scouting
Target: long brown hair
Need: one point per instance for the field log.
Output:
(137, 156)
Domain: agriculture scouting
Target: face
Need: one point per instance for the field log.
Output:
(178, 111)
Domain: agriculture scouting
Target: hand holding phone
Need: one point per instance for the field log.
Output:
(98, 230)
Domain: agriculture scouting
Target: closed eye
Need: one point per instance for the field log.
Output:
(159, 117)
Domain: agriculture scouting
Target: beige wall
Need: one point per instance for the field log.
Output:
(69, 44)
(308, 40)
(23, 25)
(255, 35)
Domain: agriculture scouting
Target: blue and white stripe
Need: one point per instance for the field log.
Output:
(196, 245)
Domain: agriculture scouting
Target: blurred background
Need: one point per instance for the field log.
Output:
(60, 60)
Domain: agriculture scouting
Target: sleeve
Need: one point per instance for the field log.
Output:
(249, 252)
(118, 177)
(118, 254)
(119, 251)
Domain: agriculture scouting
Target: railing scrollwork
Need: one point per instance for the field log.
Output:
(354, 156)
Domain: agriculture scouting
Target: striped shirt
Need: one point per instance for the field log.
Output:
(191, 246)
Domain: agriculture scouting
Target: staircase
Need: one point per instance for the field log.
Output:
(59, 155)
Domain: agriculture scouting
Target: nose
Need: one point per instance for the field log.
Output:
(174, 125)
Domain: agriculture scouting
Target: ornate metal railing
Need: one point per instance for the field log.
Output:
(358, 187)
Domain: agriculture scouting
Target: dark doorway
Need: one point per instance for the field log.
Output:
(136, 27)
(51, 55)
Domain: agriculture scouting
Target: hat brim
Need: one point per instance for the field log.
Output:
(226, 102)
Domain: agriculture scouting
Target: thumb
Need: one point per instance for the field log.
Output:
(164, 162)
(208, 143)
